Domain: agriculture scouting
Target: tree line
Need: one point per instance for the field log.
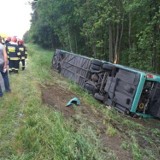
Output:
(119, 31)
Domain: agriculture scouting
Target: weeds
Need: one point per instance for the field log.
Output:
(111, 131)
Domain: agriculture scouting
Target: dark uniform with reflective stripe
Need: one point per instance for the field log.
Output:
(14, 56)
(23, 51)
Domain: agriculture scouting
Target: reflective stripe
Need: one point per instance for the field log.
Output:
(21, 49)
(11, 49)
(14, 58)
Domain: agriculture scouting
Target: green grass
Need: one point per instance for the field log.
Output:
(30, 130)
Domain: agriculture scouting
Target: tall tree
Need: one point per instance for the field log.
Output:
(120, 31)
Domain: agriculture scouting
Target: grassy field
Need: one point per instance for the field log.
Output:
(32, 130)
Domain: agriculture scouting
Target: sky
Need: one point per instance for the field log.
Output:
(15, 17)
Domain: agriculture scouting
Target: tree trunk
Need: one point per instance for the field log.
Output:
(110, 43)
(121, 34)
(116, 54)
(129, 30)
(76, 48)
(94, 51)
(154, 9)
(69, 41)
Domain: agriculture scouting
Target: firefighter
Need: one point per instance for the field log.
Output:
(7, 40)
(14, 55)
(23, 51)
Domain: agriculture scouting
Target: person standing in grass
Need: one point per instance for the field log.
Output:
(23, 51)
(4, 68)
(14, 55)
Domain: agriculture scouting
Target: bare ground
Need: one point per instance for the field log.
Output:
(57, 97)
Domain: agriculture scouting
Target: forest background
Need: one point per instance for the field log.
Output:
(120, 31)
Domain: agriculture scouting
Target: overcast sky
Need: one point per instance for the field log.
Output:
(14, 17)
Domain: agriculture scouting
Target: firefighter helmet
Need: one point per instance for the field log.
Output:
(8, 39)
(20, 41)
(14, 39)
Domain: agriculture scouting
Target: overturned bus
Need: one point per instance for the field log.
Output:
(129, 90)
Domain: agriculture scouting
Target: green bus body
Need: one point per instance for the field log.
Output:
(144, 77)
(128, 90)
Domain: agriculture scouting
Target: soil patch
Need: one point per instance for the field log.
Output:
(57, 97)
